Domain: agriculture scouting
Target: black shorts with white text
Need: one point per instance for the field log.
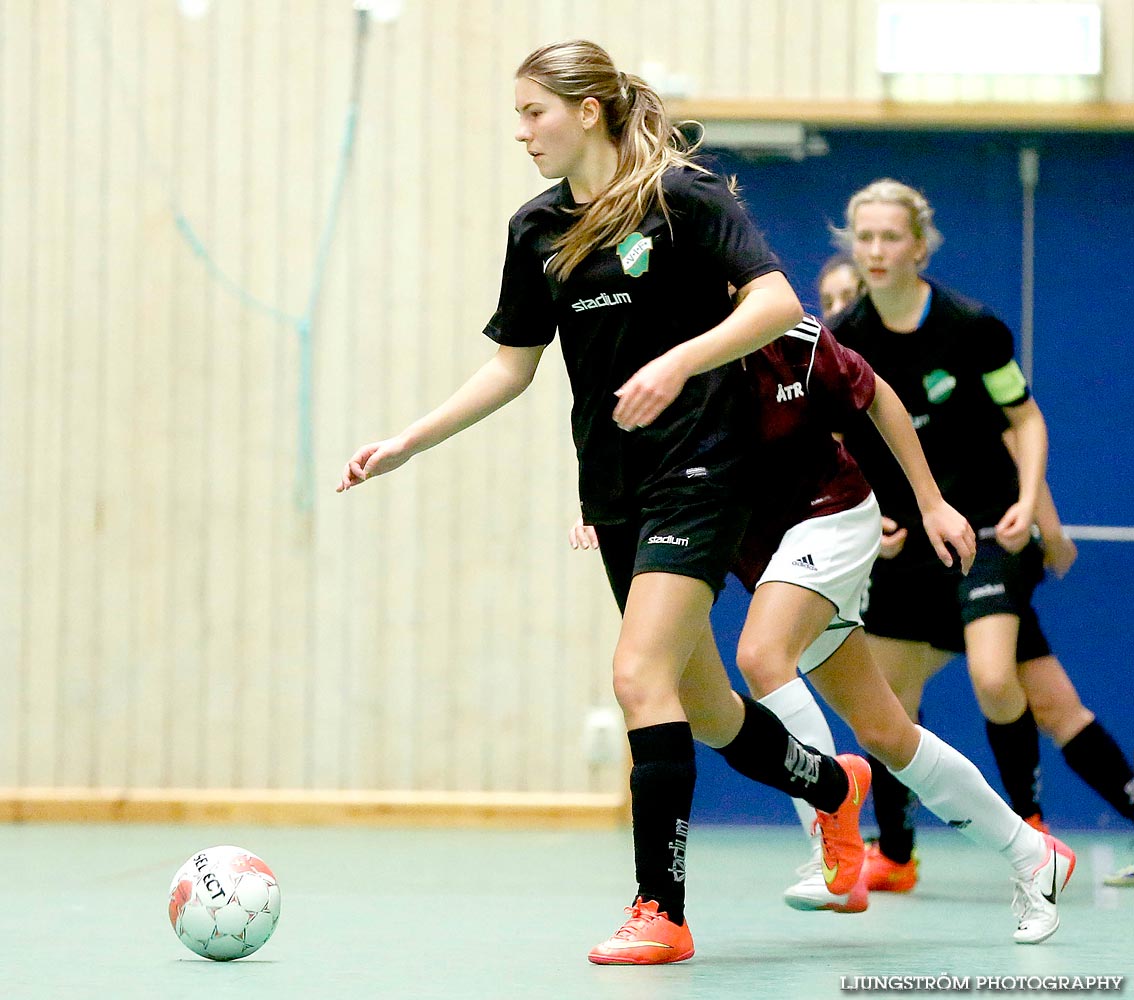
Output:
(927, 603)
(697, 539)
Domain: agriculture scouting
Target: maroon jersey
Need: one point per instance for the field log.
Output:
(805, 385)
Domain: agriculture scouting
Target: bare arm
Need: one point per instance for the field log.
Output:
(1030, 453)
(1059, 551)
(498, 381)
(766, 308)
(1047, 516)
(942, 523)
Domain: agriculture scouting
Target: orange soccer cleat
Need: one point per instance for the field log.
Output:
(843, 850)
(647, 938)
(884, 875)
(1036, 822)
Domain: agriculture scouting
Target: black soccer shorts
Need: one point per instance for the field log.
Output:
(928, 603)
(698, 539)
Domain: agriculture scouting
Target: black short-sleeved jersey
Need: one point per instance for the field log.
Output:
(954, 373)
(623, 306)
(805, 385)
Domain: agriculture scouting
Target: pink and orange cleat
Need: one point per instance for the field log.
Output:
(647, 938)
(843, 850)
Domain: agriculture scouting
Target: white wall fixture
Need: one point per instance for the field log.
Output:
(382, 11)
(987, 38)
(604, 736)
(193, 9)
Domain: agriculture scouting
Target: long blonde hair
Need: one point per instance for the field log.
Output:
(648, 143)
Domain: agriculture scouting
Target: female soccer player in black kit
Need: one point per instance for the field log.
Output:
(631, 257)
(952, 363)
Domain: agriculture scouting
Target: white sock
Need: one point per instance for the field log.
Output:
(795, 706)
(953, 789)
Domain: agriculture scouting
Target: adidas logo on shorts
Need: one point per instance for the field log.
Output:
(806, 562)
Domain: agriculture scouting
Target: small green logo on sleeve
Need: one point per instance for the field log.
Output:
(634, 252)
(939, 385)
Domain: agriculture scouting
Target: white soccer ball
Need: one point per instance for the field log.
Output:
(224, 903)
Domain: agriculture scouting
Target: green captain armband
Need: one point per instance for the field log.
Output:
(1006, 385)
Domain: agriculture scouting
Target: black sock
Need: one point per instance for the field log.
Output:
(894, 808)
(661, 797)
(1015, 745)
(1097, 759)
(765, 751)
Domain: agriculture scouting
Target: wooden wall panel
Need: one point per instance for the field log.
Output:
(82, 40)
(185, 602)
(439, 375)
(485, 101)
(1118, 51)
(836, 53)
(329, 710)
(193, 149)
(154, 460)
(47, 334)
(367, 412)
(24, 257)
(724, 57)
(15, 270)
(113, 695)
(301, 162)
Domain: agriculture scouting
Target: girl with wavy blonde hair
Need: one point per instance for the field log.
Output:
(631, 259)
(647, 143)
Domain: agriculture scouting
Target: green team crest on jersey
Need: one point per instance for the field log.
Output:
(634, 252)
(939, 385)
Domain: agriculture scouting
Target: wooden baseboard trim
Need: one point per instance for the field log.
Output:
(301, 807)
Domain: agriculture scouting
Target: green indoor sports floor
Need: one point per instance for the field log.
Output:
(422, 913)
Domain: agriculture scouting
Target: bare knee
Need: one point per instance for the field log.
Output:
(764, 665)
(646, 689)
(893, 742)
(631, 687)
(1060, 721)
(875, 740)
(999, 694)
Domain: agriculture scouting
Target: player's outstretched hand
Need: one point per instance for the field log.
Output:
(950, 533)
(374, 459)
(893, 538)
(582, 536)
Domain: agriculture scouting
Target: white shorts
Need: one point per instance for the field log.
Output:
(831, 555)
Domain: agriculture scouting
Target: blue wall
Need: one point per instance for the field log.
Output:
(1084, 382)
